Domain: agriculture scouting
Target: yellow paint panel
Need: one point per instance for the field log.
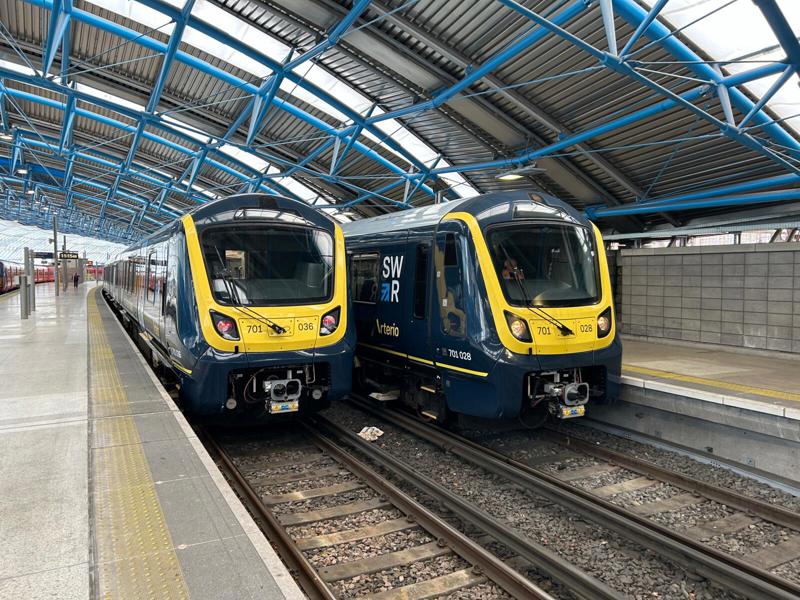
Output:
(725, 385)
(499, 304)
(255, 341)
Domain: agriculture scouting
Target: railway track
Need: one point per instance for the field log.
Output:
(345, 530)
(746, 577)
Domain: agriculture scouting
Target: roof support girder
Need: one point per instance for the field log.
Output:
(671, 100)
(635, 14)
(619, 65)
(60, 15)
(230, 78)
(736, 189)
(525, 43)
(783, 31)
(667, 206)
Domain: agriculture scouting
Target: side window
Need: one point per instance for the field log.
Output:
(453, 314)
(364, 278)
(421, 282)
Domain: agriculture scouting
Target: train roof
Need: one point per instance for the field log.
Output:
(226, 209)
(542, 205)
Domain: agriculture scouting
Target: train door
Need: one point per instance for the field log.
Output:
(171, 339)
(418, 307)
(450, 318)
(161, 288)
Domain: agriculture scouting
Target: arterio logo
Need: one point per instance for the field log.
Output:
(390, 288)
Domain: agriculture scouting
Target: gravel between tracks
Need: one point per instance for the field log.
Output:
(399, 576)
(622, 565)
(392, 542)
(789, 570)
(682, 464)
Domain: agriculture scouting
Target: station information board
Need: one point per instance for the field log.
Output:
(68, 255)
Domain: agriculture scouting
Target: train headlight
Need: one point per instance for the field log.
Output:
(329, 322)
(519, 328)
(604, 323)
(225, 326)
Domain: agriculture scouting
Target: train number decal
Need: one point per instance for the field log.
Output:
(459, 354)
(258, 328)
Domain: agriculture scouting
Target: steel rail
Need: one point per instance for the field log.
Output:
(728, 571)
(305, 573)
(510, 580)
(547, 561)
(764, 510)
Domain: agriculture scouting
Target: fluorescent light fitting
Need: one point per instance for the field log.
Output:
(519, 172)
(30, 192)
(22, 171)
(6, 136)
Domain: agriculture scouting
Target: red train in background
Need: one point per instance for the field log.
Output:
(9, 270)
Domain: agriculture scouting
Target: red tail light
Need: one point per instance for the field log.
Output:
(225, 326)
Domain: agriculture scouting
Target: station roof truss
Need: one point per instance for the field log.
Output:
(118, 116)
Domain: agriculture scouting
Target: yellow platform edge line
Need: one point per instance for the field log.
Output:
(135, 553)
(725, 385)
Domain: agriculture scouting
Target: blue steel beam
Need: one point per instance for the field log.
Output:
(172, 145)
(647, 207)
(338, 157)
(654, 30)
(524, 44)
(620, 66)
(60, 14)
(783, 31)
(635, 14)
(161, 79)
(601, 129)
(66, 128)
(230, 78)
(779, 83)
(5, 124)
(642, 26)
(275, 66)
(333, 37)
(736, 188)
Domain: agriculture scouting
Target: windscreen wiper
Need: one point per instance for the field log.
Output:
(236, 303)
(562, 327)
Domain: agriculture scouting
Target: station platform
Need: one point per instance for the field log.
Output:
(105, 490)
(739, 405)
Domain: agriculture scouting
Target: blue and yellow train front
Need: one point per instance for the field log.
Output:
(553, 347)
(273, 312)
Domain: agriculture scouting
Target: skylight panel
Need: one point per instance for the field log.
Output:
(735, 31)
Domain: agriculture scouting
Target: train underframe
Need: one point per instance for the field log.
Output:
(515, 392)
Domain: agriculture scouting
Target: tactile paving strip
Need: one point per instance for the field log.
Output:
(135, 556)
(725, 385)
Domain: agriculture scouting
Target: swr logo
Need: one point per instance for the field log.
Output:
(392, 267)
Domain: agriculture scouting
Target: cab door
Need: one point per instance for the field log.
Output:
(450, 318)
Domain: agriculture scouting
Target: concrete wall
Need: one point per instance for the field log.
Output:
(743, 295)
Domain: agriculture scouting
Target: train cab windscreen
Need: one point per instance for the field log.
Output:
(268, 266)
(547, 265)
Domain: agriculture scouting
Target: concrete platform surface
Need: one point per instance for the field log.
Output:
(750, 381)
(105, 491)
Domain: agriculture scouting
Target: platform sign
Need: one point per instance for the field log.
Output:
(68, 255)
(43, 255)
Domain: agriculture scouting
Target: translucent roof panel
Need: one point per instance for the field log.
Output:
(15, 237)
(738, 36)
